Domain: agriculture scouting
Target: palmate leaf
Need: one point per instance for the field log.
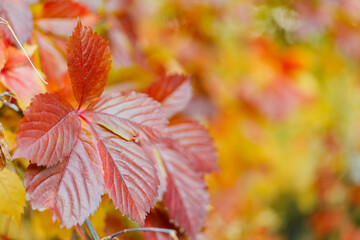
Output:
(89, 62)
(72, 189)
(48, 131)
(174, 92)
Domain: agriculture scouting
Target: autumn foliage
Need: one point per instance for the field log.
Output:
(209, 119)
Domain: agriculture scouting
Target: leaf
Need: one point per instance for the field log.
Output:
(186, 197)
(12, 195)
(159, 219)
(123, 122)
(48, 131)
(53, 62)
(174, 92)
(19, 16)
(4, 149)
(130, 176)
(63, 9)
(19, 77)
(59, 17)
(71, 189)
(89, 62)
(197, 143)
(130, 115)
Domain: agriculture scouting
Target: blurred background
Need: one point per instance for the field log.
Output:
(277, 83)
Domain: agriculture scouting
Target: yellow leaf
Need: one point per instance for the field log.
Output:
(12, 195)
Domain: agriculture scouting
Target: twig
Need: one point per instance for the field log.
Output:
(171, 232)
(6, 23)
(8, 103)
(91, 229)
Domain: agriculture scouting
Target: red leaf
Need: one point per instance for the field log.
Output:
(72, 188)
(122, 121)
(18, 76)
(132, 116)
(159, 219)
(63, 9)
(48, 131)
(197, 144)
(174, 92)
(130, 176)
(89, 62)
(59, 17)
(186, 196)
(53, 62)
(19, 16)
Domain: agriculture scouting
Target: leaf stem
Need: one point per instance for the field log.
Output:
(91, 229)
(6, 23)
(171, 232)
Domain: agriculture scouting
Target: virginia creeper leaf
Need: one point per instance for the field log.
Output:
(197, 143)
(19, 16)
(12, 195)
(174, 92)
(72, 188)
(89, 62)
(48, 131)
(186, 197)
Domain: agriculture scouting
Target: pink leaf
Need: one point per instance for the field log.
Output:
(19, 16)
(174, 92)
(48, 131)
(130, 176)
(72, 188)
(133, 115)
(197, 143)
(186, 196)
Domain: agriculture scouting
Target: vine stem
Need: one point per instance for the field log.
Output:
(171, 232)
(91, 229)
(6, 23)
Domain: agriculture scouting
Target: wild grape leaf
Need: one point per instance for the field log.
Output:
(196, 142)
(88, 58)
(19, 16)
(72, 189)
(174, 92)
(19, 77)
(48, 131)
(186, 196)
(132, 116)
(12, 195)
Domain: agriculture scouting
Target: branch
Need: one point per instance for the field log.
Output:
(6, 23)
(171, 232)
(91, 229)
(8, 103)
